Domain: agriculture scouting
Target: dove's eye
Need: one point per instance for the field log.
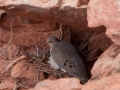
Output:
(50, 41)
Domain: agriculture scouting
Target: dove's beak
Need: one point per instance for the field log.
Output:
(45, 44)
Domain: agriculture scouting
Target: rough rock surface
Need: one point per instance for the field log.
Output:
(30, 22)
(108, 63)
(60, 11)
(105, 83)
(60, 84)
(27, 34)
(105, 12)
(26, 78)
(3, 65)
(23, 73)
(6, 54)
(7, 84)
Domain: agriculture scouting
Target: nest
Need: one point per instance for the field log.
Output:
(40, 61)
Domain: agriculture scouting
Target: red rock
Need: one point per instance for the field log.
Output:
(59, 84)
(7, 84)
(29, 34)
(9, 52)
(6, 52)
(51, 77)
(99, 41)
(22, 70)
(3, 53)
(66, 12)
(105, 83)
(7, 20)
(3, 65)
(108, 63)
(105, 12)
(1, 13)
(28, 25)
(41, 76)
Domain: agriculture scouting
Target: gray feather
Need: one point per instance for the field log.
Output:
(68, 59)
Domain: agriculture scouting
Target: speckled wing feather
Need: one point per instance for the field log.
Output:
(68, 59)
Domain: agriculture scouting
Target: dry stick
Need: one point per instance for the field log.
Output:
(44, 56)
(14, 62)
(93, 59)
(61, 33)
(91, 54)
(88, 41)
(37, 50)
(37, 79)
(39, 61)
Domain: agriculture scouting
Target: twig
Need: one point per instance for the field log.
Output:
(88, 41)
(93, 59)
(39, 61)
(14, 62)
(37, 78)
(37, 50)
(44, 56)
(88, 59)
(61, 33)
(16, 86)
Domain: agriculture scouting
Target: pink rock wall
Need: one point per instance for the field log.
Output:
(107, 13)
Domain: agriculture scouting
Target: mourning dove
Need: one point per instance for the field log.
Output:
(64, 57)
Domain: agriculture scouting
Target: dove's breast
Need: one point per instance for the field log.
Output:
(53, 63)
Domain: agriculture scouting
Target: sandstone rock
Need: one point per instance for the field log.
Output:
(93, 41)
(99, 41)
(29, 34)
(51, 77)
(1, 13)
(41, 76)
(7, 84)
(28, 38)
(101, 12)
(9, 52)
(67, 12)
(6, 21)
(59, 84)
(3, 53)
(108, 63)
(23, 73)
(3, 65)
(105, 83)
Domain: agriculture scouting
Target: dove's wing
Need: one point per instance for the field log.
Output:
(67, 58)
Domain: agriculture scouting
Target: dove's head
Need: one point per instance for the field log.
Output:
(52, 40)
